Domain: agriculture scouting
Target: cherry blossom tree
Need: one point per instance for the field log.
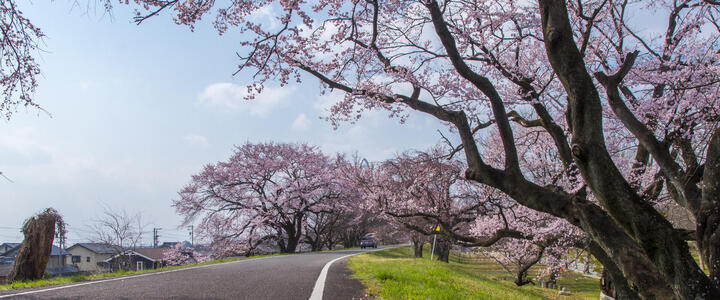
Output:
(262, 194)
(423, 190)
(180, 255)
(632, 115)
(19, 40)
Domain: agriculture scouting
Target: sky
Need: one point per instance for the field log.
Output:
(133, 111)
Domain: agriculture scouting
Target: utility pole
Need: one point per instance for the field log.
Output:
(156, 236)
(192, 240)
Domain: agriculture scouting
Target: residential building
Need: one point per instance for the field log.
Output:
(5, 247)
(57, 265)
(90, 257)
(6, 262)
(138, 259)
(5, 270)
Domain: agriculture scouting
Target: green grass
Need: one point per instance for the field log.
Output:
(89, 277)
(393, 274)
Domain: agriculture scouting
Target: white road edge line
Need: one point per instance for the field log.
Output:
(129, 277)
(319, 289)
(323, 275)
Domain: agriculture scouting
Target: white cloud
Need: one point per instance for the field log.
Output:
(371, 117)
(301, 123)
(18, 148)
(196, 139)
(232, 96)
(267, 16)
(358, 131)
(84, 85)
(323, 103)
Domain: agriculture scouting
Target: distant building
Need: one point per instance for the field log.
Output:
(138, 259)
(6, 262)
(90, 257)
(173, 244)
(5, 247)
(5, 270)
(57, 265)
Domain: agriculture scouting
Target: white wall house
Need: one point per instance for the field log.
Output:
(90, 257)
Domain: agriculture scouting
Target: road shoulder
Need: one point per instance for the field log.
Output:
(341, 285)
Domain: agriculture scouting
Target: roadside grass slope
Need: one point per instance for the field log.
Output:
(393, 274)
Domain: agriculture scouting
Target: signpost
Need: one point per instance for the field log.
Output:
(432, 252)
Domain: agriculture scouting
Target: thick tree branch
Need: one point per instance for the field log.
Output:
(482, 83)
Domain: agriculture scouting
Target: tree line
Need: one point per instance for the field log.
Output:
(569, 109)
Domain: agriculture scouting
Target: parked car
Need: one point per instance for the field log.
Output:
(368, 242)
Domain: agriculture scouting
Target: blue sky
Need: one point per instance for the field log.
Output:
(135, 110)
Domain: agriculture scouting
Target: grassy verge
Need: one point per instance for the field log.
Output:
(392, 274)
(89, 277)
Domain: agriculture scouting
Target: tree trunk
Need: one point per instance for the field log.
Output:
(521, 278)
(315, 244)
(34, 253)
(612, 283)
(661, 245)
(442, 248)
(292, 242)
(617, 289)
(708, 218)
(523, 268)
(417, 245)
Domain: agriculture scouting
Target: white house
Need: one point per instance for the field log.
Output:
(90, 257)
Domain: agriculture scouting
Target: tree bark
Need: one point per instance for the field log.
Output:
(522, 272)
(661, 244)
(442, 248)
(708, 217)
(418, 246)
(612, 276)
(34, 252)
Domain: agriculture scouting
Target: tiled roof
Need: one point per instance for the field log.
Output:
(154, 253)
(58, 251)
(55, 251)
(100, 248)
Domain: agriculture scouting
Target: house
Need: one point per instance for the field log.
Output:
(5, 270)
(90, 257)
(5, 247)
(169, 244)
(138, 259)
(6, 262)
(175, 244)
(57, 265)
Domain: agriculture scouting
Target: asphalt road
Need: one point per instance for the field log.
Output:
(278, 277)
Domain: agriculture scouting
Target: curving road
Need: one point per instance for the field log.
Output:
(279, 277)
